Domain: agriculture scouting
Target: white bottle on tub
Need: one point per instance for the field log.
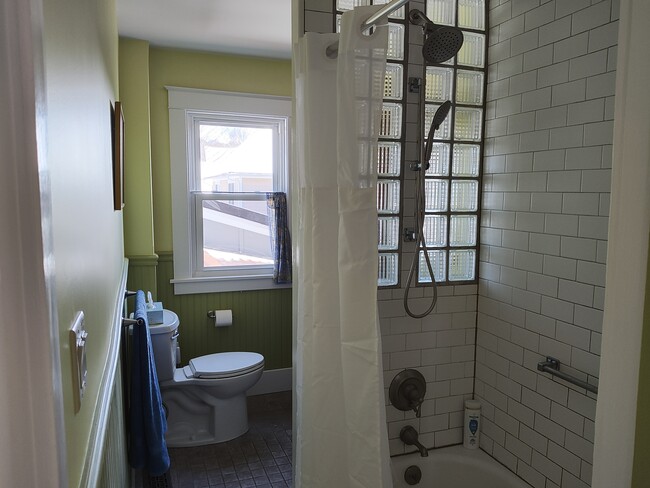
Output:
(472, 424)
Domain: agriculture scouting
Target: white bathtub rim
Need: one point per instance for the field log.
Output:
(453, 453)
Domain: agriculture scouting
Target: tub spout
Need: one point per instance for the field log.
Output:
(409, 436)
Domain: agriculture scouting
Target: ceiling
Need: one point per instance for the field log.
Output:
(243, 27)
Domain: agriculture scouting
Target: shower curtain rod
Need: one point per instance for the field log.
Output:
(332, 50)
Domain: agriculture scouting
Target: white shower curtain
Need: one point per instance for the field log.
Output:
(341, 437)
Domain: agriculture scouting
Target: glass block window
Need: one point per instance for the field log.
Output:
(390, 154)
(452, 186)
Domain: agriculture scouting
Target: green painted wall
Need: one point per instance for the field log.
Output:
(641, 468)
(81, 72)
(134, 95)
(170, 67)
(262, 319)
(143, 274)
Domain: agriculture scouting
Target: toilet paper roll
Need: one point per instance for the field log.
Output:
(222, 318)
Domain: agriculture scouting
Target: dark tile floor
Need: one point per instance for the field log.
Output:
(259, 458)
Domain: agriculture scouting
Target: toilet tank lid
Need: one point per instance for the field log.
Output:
(170, 323)
(216, 365)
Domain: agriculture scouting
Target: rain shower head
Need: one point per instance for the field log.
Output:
(441, 42)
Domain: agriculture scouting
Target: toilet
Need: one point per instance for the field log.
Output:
(205, 402)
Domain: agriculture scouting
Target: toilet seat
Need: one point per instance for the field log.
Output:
(224, 365)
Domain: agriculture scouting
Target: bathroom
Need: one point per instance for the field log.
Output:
(547, 170)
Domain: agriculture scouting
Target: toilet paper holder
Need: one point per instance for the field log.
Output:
(221, 318)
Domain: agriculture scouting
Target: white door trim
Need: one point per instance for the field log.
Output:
(627, 257)
(32, 436)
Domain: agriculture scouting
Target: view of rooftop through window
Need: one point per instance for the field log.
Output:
(236, 168)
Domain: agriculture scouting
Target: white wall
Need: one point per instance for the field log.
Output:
(61, 239)
(80, 52)
(544, 237)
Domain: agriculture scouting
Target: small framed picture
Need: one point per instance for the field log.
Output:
(118, 156)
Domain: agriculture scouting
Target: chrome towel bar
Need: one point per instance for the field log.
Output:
(552, 366)
(126, 322)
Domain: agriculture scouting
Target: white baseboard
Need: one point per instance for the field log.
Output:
(272, 381)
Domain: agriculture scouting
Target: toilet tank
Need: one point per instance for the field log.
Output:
(164, 341)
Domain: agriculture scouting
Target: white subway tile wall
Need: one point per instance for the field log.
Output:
(541, 285)
(545, 198)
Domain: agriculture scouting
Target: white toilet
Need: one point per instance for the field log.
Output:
(205, 401)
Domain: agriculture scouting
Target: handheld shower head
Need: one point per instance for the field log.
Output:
(441, 42)
(438, 118)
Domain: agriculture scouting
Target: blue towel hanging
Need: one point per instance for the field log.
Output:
(147, 447)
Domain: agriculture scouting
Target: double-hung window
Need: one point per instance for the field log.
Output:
(229, 154)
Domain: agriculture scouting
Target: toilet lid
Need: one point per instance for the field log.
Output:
(225, 364)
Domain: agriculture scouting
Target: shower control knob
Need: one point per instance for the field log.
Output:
(407, 391)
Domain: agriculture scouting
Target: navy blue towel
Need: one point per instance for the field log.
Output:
(147, 447)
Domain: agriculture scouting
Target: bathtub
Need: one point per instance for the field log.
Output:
(455, 467)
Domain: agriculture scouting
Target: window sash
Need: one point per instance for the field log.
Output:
(279, 179)
(279, 126)
(262, 270)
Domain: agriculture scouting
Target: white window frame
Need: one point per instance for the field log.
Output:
(187, 108)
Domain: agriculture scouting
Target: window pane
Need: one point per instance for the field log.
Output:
(466, 160)
(439, 160)
(350, 4)
(235, 233)
(391, 121)
(235, 159)
(395, 41)
(462, 230)
(438, 264)
(438, 84)
(464, 196)
(388, 271)
(388, 196)
(393, 81)
(441, 11)
(435, 230)
(471, 14)
(388, 230)
(473, 51)
(388, 158)
(397, 14)
(435, 193)
(468, 123)
(469, 87)
(462, 265)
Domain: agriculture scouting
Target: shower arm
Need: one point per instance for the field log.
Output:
(332, 50)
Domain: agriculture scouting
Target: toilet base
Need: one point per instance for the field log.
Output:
(196, 419)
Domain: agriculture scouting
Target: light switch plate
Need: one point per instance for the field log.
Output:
(78, 337)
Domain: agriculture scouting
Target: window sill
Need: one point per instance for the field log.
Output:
(188, 286)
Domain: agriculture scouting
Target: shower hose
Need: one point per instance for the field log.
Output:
(420, 241)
